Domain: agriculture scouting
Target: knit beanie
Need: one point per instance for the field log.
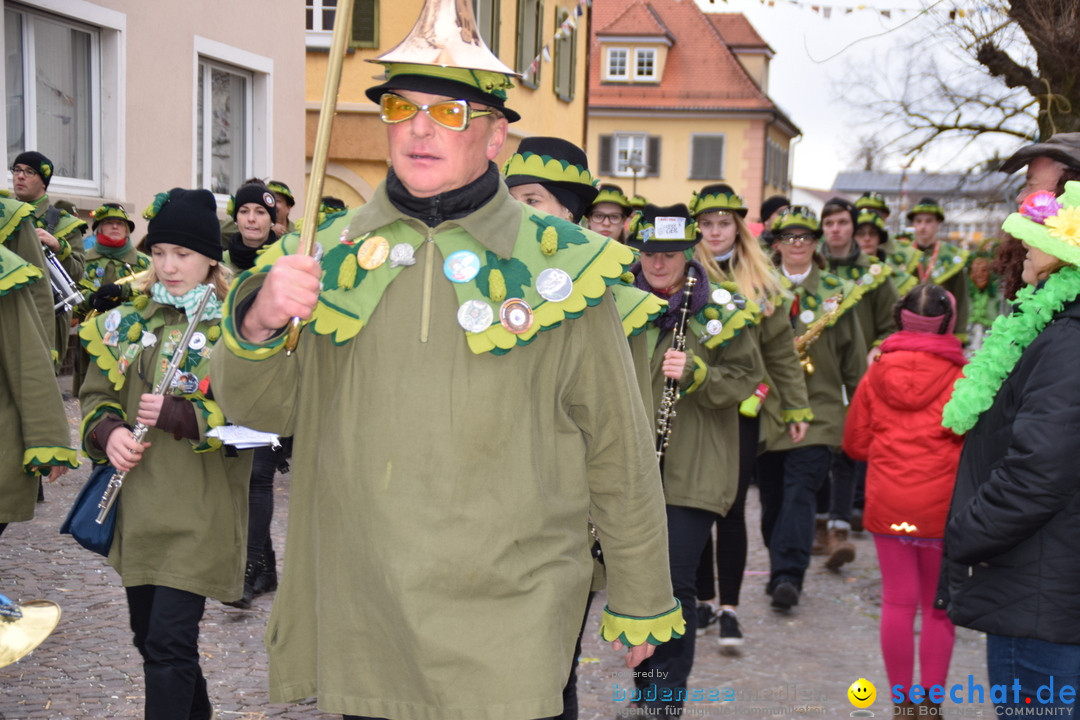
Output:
(37, 161)
(187, 218)
(771, 205)
(257, 194)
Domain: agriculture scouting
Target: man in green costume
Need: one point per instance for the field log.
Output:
(58, 230)
(448, 454)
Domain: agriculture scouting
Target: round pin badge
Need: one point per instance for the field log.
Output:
(402, 254)
(713, 327)
(720, 296)
(197, 342)
(875, 269)
(373, 252)
(462, 266)
(830, 305)
(516, 315)
(187, 383)
(112, 320)
(806, 316)
(957, 259)
(475, 316)
(554, 284)
(730, 307)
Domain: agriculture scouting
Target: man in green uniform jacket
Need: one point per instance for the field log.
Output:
(941, 263)
(31, 410)
(57, 229)
(448, 455)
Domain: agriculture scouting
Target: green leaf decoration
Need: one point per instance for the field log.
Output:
(155, 206)
(127, 323)
(515, 276)
(568, 232)
(333, 267)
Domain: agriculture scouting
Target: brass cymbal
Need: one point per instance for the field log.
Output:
(20, 635)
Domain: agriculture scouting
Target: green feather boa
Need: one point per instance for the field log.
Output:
(1008, 338)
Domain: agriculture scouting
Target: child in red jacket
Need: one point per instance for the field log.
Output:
(894, 423)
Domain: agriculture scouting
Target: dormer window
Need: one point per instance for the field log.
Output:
(645, 64)
(617, 61)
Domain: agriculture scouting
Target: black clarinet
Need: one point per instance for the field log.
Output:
(665, 414)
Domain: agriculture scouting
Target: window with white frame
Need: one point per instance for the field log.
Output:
(617, 59)
(223, 127)
(645, 64)
(53, 90)
(621, 153)
(320, 16)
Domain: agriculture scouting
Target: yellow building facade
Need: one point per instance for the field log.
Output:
(551, 101)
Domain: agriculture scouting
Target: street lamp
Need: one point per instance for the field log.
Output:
(636, 166)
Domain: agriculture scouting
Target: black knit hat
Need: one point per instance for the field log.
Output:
(560, 166)
(771, 205)
(187, 218)
(37, 161)
(258, 194)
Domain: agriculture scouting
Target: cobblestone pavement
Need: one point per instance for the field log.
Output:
(792, 666)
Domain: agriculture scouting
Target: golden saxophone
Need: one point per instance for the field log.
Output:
(112, 490)
(665, 414)
(813, 333)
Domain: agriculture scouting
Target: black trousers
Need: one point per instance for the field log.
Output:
(688, 532)
(731, 544)
(165, 622)
(788, 481)
(264, 463)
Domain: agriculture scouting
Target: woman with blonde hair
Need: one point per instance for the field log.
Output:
(729, 252)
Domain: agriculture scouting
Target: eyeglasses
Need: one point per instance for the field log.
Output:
(24, 171)
(792, 239)
(604, 218)
(451, 114)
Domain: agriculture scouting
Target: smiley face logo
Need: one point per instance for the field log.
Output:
(862, 693)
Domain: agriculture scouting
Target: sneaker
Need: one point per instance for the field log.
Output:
(785, 595)
(730, 634)
(706, 616)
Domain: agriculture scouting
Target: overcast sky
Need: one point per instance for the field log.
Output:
(813, 55)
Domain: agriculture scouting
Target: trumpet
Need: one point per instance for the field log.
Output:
(112, 490)
(66, 294)
(665, 414)
(813, 333)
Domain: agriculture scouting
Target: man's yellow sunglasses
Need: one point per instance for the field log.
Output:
(451, 114)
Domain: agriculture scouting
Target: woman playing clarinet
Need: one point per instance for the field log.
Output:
(717, 367)
(182, 515)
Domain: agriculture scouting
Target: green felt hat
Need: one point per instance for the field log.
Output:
(930, 206)
(111, 210)
(663, 229)
(717, 198)
(796, 216)
(872, 201)
(612, 194)
(1050, 224)
(869, 217)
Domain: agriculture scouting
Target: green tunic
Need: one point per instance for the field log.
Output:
(838, 356)
(787, 400)
(182, 513)
(701, 463)
(879, 296)
(437, 559)
(31, 410)
(17, 234)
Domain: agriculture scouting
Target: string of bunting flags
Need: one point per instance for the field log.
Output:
(566, 29)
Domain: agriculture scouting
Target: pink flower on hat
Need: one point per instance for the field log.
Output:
(1038, 206)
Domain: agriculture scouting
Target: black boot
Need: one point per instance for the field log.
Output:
(252, 572)
(266, 581)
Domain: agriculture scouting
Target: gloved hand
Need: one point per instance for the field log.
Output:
(107, 297)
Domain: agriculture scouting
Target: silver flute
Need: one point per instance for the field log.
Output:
(112, 490)
(665, 414)
(66, 293)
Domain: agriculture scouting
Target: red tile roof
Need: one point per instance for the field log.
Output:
(701, 72)
(736, 30)
(638, 19)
